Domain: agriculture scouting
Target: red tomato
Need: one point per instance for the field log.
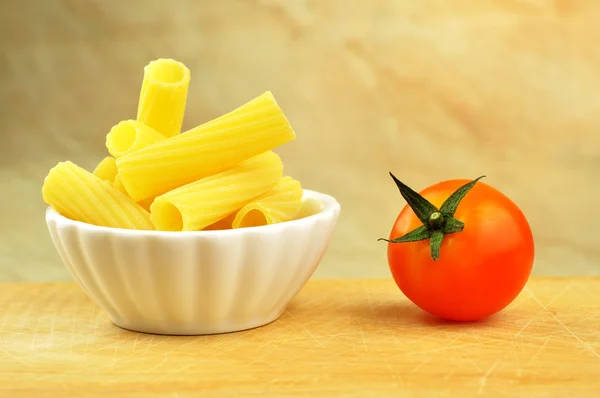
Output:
(480, 270)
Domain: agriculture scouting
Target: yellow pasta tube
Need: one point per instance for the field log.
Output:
(79, 195)
(163, 96)
(222, 224)
(119, 185)
(204, 202)
(146, 203)
(278, 205)
(106, 169)
(130, 135)
(251, 129)
(309, 207)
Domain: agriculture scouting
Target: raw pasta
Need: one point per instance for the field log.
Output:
(309, 207)
(146, 203)
(219, 175)
(253, 128)
(119, 185)
(106, 169)
(278, 205)
(224, 223)
(204, 202)
(163, 96)
(130, 135)
(79, 195)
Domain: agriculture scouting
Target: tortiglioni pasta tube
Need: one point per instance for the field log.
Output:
(253, 128)
(202, 203)
(278, 205)
(106, 169)
(79, 195)
(119, 185)
(146, 203)
(163, 96)
(222, 224)
(129, 136)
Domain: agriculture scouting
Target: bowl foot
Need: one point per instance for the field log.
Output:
(193, 329)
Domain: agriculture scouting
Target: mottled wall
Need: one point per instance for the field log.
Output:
(429, 89)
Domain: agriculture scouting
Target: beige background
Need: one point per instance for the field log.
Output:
(428, 89)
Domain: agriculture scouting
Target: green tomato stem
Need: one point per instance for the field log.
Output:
(436, 222)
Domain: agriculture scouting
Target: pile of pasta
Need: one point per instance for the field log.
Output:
(222, 174)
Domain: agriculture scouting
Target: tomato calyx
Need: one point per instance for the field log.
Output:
(436, 222)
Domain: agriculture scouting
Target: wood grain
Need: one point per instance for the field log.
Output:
(431, 90)
(350, 338)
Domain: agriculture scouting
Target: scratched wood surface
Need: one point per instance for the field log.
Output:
(351, 338)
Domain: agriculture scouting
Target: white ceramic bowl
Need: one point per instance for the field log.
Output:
(202, 282)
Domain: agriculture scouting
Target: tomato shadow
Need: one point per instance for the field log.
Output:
(408, 315)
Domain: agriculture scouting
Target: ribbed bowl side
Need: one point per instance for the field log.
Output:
(193, 283)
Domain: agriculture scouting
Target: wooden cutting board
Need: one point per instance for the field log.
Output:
(339, 338)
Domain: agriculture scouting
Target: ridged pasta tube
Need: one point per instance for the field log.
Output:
(163, 96)
(204, 202)
(129, 136)
(107, 169)
(79, 195)
(280, 204)
(253, 128)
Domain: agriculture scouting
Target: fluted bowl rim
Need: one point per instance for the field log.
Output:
(329, 207)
